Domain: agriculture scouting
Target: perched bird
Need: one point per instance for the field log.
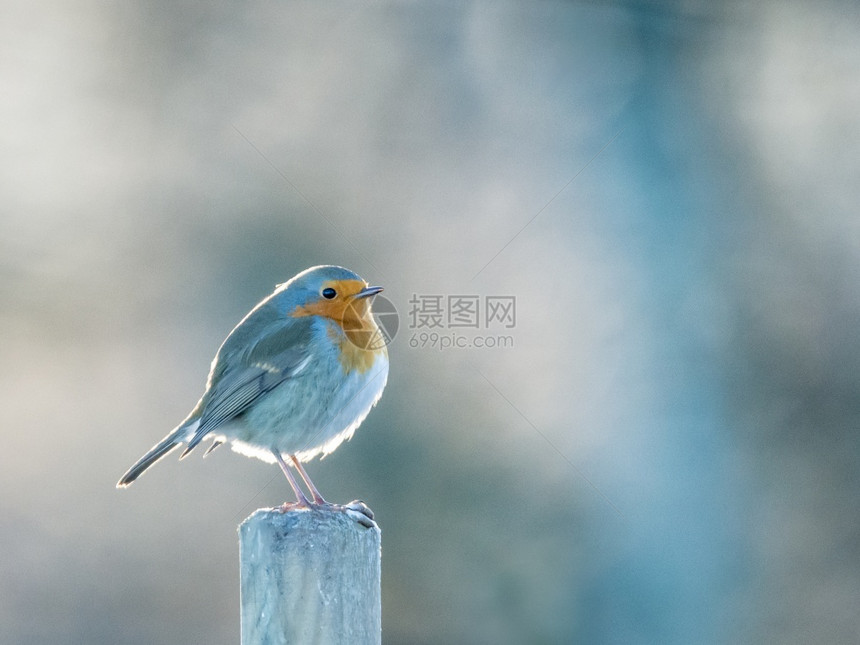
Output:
(294, 378)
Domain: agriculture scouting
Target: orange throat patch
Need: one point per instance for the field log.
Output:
(362, 341)
(357, 351)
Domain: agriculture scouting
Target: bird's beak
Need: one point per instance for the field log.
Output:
(367, 292)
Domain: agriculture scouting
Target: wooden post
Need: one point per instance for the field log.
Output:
(310, 576)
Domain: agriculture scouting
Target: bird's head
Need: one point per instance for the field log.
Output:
(334, 293)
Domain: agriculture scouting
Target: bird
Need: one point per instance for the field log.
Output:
(292, 381)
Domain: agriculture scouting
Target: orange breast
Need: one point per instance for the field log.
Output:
(353, 355)
(362, 345)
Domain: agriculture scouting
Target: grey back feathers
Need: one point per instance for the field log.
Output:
(254, 359)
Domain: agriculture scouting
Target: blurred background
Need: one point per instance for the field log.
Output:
(667, 453)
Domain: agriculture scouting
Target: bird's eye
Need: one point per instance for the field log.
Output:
(329, 293)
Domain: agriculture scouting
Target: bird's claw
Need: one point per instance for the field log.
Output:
(356, 510)
(286, 507)
(359, 506)
(360, 512)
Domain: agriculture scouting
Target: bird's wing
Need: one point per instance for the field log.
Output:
(240, 377)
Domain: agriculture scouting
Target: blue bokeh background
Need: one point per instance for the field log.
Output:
(669, 451)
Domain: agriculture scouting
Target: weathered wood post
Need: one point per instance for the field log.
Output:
(310, 576)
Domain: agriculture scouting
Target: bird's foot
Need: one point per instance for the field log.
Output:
(286, 507)
(359, 506)
(356, 510)
(360, 512)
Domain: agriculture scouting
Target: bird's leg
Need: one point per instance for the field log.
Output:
(313, 489)
(357, 510)
(300, 496)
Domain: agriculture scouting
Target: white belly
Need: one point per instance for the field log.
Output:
(309, 415)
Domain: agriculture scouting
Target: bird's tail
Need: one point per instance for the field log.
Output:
(158, 451)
